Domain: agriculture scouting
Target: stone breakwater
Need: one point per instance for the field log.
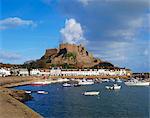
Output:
(12, 108)
(11, 105)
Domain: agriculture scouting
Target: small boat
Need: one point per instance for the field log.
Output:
(76, 85)
(28, 92)
(91, 93)
(42, 92)
(105, 80)
(62, 80)
(85, 82)
(135, 82)
(67, 85)
(118, 80)
(109, 87)
(114, 87)
(40, 83)
(112, 80)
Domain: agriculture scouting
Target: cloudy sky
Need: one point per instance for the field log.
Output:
(113, 30)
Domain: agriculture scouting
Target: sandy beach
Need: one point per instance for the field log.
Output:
(12, 81)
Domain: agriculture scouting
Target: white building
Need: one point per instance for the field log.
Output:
(23, 72)
(88, 72)
(4, 72)
(35, 72)
(73, 72)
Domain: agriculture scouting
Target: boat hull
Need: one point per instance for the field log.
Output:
(90, 93)
(40, 83)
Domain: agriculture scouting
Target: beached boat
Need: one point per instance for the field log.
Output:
(40, 83)
(85, 82)
(91, 93)
(137, 83)
(67, 85)
(62, 80)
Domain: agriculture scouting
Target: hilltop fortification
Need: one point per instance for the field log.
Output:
(69, 54)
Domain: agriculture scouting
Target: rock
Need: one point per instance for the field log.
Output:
(70, 55)
(50, 52)
(17, 94)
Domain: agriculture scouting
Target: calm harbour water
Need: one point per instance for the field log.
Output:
(129, 102)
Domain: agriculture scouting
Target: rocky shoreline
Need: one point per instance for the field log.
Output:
(11, 100)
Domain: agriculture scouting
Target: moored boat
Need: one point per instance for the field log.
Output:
(109, 87)
(105, 80)
(76, 85)
(42, 92)
(118, 80)
(28, 92)
(137, 83)
(112, 80)
(67, 85)
(85, 82)
(91, 93)
(114, 87)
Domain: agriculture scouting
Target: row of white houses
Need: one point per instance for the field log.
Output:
(90, 72)
(62, 72)
(4, 72)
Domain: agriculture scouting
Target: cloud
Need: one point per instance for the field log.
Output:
(72, 32)
(116, 30)
(130, 31)
(131, 54)
(13, 22)
(4, 55)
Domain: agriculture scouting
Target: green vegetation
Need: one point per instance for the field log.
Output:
(71, 55)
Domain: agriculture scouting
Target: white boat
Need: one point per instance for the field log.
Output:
(118, 80)
(85, 82)
(40, 83)
(42, 92)
(114, 87)
(105, 80)
(112, 80)
(67, 85)
(63, 80)
(29, 92)
(109, 87)
(91, 93)
(136, 83)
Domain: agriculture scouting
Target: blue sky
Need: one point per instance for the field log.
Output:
(113, 30)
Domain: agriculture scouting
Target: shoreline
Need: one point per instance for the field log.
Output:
(12, 108)
(12, 100)
(12, 104)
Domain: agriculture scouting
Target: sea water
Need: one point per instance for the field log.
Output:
(69, 102)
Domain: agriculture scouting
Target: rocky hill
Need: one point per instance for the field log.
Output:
(68, 56)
